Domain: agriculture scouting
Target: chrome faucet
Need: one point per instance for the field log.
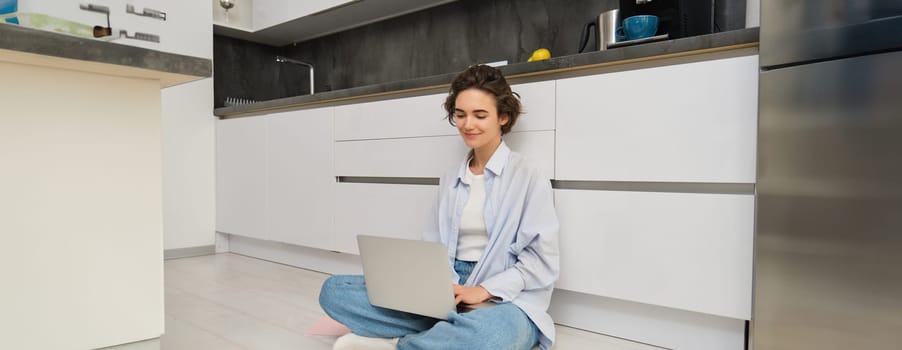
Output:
(283, 59)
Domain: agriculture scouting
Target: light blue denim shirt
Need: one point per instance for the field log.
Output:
(521, 259)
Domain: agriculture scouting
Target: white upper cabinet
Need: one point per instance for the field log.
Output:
(693, 122)
(185, 31)
(268, 13)
(282, 22)
(240, 16)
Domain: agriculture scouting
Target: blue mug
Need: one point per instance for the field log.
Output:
(638, 27)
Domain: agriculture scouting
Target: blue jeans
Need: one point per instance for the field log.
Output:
(503, 326)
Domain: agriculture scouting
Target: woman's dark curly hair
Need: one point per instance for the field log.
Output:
(490, 80)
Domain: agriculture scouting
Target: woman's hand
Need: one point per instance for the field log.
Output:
(470, 295)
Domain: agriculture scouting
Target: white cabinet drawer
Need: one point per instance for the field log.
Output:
(408, 157)
(431, 156)
(424, 115)
(402, 117)
(692, 122)
(680, 250)
(240, 176)
(386, 210)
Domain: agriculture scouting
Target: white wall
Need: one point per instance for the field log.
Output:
(189, 201)
(189, 178)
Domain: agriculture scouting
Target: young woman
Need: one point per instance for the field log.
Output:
(497, 210)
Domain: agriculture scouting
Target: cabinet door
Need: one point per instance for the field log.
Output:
(396, 118)
(299, 192)
(431, 156)
(424, 115)
(268, 13)
(537, 101)
(387, 210)
(681, 250)
(240, 176)
(58, 15)
(407, 157)
(692, 122)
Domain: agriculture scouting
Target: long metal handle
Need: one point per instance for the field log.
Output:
(140, 36)
(146, 12)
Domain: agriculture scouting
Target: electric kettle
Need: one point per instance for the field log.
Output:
(605, 33)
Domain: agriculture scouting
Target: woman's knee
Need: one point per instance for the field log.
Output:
(334, 291)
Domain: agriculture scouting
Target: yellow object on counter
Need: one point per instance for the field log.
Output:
(540, 54)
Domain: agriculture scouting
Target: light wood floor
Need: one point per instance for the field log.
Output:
(230, 302)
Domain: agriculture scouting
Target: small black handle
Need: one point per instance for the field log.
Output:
(584, 37)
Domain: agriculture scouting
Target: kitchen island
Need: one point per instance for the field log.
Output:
(81, 204)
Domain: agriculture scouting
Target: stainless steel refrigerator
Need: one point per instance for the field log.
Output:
(828, 245)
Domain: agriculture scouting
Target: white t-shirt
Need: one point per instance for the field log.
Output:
(473, 238)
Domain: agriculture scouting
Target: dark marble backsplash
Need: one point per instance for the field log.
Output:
(246, 70)
(434, 41)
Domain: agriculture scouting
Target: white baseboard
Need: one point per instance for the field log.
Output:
(149, 344)
(649, 324)
(289, 254)
(221, 241)
(188, 252)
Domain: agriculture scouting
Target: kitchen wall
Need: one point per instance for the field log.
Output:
(438, 40)
(188, 132)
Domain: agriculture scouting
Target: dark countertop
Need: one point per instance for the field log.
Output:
(18, 40)
(550, 69)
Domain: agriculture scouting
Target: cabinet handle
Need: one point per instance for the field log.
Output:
(146, 12)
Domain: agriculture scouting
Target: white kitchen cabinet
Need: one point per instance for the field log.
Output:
(268, 13)
(282, 22)
(299, 181)
(241, 176)
(425, 115)
(240, 16)
(387, 210)
(686, 251)
(693, 122)
(538, 104)
(431, 156)
(185, 31)
(402, 117)
(274, 177)
(406, 157)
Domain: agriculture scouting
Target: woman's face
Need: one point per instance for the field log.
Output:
(477, 119)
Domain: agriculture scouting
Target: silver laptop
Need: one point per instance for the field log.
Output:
(407, 275)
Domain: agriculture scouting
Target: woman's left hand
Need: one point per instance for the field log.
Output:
(470, 295)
